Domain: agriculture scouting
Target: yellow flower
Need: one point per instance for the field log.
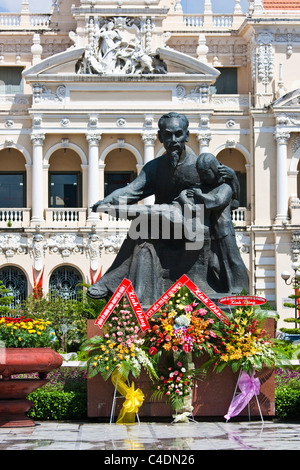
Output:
(94, 364)
(169, 328)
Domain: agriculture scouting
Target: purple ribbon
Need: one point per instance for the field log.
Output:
(249, 387)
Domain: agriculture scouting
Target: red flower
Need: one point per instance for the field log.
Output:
(152, 351)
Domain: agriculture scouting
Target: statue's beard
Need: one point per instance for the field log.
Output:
(174, 158)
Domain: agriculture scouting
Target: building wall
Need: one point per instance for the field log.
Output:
(61, 116)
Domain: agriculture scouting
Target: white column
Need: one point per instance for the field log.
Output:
(282, 138)
(37, 215)
(149, 139)
(93, 174)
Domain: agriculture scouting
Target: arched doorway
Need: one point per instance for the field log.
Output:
(236, 160)
(15, 280)
(65, 283)
(120, 169)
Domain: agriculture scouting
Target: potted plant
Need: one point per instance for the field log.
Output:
(25, 348)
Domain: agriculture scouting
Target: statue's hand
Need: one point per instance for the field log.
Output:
(189, 193)
(225, 172)
(97, 204)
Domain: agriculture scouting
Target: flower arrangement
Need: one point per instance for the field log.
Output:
(120, 347)
(175, 386)
(23, 332)
(244, 343)
(182, 326)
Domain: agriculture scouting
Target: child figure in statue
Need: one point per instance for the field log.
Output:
(226, 267)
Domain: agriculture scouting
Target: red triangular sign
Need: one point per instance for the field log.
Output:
(124, 288)
(185, 281)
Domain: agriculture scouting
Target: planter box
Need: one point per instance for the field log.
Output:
(211, 398)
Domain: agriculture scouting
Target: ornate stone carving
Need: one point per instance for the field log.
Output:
(295, 245)
(265, 57)
(199, 94)
(42, 94)
(65, 244)
(120, 46)
(13, 244)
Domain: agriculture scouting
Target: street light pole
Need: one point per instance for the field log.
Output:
(294, 281)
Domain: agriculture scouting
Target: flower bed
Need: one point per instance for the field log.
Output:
(23, 332)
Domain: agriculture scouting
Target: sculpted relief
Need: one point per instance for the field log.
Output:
(120, 46)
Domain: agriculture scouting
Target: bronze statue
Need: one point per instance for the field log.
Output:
(154, 264)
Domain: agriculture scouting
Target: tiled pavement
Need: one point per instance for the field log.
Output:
(153, 436)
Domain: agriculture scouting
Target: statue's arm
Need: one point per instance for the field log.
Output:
(140, 188)
(214, 200)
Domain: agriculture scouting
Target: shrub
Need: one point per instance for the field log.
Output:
(57, 405)
(64, 397)
(287, 401)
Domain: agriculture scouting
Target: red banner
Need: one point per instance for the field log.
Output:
(206, 301)
(124, 288)
(243, 300)
(135, 304)
(166, 296)
(185, 281)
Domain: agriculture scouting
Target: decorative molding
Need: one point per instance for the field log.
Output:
(41, 94)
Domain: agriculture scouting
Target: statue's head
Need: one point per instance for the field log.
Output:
(207, 167)
(173, 133)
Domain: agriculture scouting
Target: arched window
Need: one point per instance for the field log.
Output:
(120, 170)
(15, 280)
(65, 283)
(65, 179)
(236, 160)
(12, 179)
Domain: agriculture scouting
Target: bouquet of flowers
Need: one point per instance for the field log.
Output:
(245, 343)
(120, 346)
(182, 327)
(175, 385)
(23, 332)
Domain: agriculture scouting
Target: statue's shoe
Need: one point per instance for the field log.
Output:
(97, 292)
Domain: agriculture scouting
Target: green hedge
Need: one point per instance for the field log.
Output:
(287, 402)
(57, 405)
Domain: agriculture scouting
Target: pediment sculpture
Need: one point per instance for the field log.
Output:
(119, 48)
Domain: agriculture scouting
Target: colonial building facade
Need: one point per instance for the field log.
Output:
(81, 92)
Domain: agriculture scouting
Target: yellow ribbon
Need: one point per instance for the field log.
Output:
(133, 399)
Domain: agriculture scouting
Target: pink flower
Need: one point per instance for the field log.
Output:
(179, 364)
(186, 347)
(168, 338)
(213, 334)
(188, 308)
(174, 348)
(202, 312)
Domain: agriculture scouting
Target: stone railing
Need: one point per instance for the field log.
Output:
(215, 21)
(112, 223)
(241, 217)
(19, 21)
(14, 217)
(66, 217)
